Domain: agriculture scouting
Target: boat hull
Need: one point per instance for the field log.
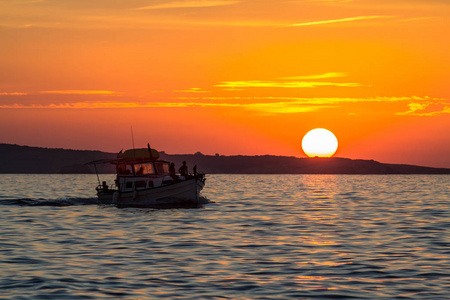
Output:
(183, 193)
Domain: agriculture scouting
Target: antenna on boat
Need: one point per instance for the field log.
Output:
(132, 140)
(96, 172)
(132, 136)
(150, 151)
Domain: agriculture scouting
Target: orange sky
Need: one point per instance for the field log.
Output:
(228, 76)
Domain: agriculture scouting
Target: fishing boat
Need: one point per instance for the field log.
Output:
(143, 180)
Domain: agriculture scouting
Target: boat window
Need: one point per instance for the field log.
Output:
(139, 184)
(162, 168)
(142, 169)
(123, 169)
(129, 185)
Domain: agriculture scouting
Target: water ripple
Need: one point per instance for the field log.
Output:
(258, 237)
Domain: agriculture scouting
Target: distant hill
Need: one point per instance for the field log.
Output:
(269, 164)
(34, 160)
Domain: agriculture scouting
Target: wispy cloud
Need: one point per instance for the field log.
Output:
(283, 84)
(79, 92)
(352, 19)
(418, 106)
(284, 107)
(302, 81)
(417, 19)
(271, 107)
(192, 90)
(189, 4)
(319, 76)
(427, 108)
(13, 94)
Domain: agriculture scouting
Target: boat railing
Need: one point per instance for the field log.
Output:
(105, 187)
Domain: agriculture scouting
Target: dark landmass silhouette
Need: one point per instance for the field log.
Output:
(15, 159)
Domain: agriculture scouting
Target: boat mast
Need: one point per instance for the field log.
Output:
(96, 172)
(150, 151)
(132, 140)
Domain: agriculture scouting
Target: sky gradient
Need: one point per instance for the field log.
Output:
(246, 77)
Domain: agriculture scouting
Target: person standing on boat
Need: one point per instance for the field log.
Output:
(172, 171)
(183, 169)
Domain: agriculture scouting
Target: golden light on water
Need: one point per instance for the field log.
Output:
(319, 142)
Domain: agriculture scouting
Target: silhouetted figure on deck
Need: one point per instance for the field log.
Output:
(183, 169)
(172, 171)
(140, 171)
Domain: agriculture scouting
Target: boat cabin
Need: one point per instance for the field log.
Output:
(142, 175)
(142, 168)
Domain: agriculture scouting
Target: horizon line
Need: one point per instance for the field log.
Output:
(214, 155)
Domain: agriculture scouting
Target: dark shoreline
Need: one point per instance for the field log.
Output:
(15, 159)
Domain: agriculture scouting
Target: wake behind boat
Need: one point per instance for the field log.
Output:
(143, 180)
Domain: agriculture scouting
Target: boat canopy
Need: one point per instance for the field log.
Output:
(138, 154)
(136, 162)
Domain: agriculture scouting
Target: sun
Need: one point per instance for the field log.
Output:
(319, 142)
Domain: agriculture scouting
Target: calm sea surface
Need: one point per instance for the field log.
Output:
(256, 237)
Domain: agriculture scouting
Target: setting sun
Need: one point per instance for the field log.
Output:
(319, 142)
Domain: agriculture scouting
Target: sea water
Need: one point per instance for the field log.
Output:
(255, 237)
